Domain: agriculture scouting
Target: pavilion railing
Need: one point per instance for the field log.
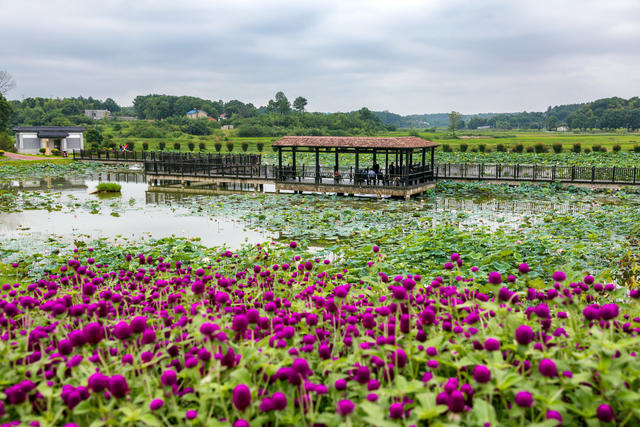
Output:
(539, 173)
(203, 169)
(166, 156)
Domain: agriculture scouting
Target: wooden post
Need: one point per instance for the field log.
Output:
(318, 179)
(279, 172)
(573, 173)
(553, 173)
(593, 173)
(356, 177)
(293, 160)
(613, 177)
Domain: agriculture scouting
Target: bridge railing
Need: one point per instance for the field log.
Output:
(203, 169)
(539, 173)
(166, 156)
(353, 177)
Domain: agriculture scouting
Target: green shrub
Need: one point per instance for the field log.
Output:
(202, 146)
(229, 146)
(603, 149)
(540, 148)
(108, 187)
(191, 146)
(145, 146)
(617, 148)
(446, 148)
(245, 146)
(217, 146)
(260, 146)
(501, 148)
(482, 147)
(596, 148)
(557, 147)
(576, 147)
(55, 152)
(464, 147)
(162, 145)
(587, 150)
(518, 148)
(530, 149)
(130, 145)
(176, 145)
(43, 150)
(636, 148)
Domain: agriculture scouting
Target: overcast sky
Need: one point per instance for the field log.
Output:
(400, 55)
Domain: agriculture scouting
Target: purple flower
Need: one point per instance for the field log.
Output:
(240, 323)
(168, 377)
(481, 374)
(376, 249)
(345, 407)
(93, 332)
(456, 401)
(138, 324)
(495, 278)
(118, 386)
(554, 415)
(524, 334)
(524, 268)
(396, 411)
(98, 382)
(609, 311)
(279, 401)
(547, 368)
(542, 311)
(156, 404)
(191, 414)
(293, 245)
(122, 331)
(241, 423)
(524, 399)
(604, 413)
(589, 279)
(559, 276)
(491, 344)
(241, 397)
(340, 384)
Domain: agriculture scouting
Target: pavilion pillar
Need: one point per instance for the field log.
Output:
(386, 162)
(318, 178)
(294, 174)
(432, 156)
(357, 174)
(424, 155)
(279, 174)
(337, 166)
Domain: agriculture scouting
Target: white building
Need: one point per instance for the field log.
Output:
(562, 129)
(97, 114)
(196, 114)
(30, 139)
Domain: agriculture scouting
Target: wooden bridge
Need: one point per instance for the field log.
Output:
(193, 171)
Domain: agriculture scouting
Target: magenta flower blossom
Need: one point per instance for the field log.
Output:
(547, 368)
(559, 276)
(605, 413)
(118, 386)
(279, 401)
(396, 411)
(524, 268)
(168, 377)
(481, 374)
(554, 415)
(495, 278)
(241, 397)
(293, 245)
(156, 404)
(345, 407)
(524, 334)
(524, 399)
(491, 344)
(191, 414)
(376, 249)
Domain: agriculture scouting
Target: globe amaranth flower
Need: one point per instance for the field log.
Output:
(559, 276)
(279, 401)
(118, 386)
(604, 413)
(524, 268)
(241, 397)
(524, 334)
(345, 407)
(481, 374)
(156, 404)
(168, 377)
(524, 399)
(547, 368)
(495, 278)
(396, 411)
(191, 414)
(492, 344)
(554, 415)
(609, 311)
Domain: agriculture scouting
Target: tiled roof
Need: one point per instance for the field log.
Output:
(354, 141)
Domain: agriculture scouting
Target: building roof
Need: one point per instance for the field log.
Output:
(49, 128)
(354, 141)
(53, 134)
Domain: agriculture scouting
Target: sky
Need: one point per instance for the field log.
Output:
(405, 56)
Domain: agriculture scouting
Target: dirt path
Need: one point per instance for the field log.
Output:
(14, 156)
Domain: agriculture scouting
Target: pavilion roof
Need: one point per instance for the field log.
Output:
(354, 141)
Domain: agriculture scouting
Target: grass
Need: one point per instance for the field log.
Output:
(108, 187)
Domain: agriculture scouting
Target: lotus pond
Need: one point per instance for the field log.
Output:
(474, 304)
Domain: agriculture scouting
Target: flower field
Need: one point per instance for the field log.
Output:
(273, 336)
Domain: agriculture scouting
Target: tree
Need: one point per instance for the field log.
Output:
(6, 82)
(454, 118)
(110, 104)
(299, 103)
(280, 104)
(5, 112)
(94, 136)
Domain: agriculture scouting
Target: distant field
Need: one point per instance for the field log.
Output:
(491, 138)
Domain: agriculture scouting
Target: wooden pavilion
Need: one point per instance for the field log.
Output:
(392, 166)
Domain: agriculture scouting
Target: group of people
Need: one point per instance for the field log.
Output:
(124, 147)
(374, 175)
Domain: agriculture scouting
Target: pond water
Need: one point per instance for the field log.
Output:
(129, 215)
